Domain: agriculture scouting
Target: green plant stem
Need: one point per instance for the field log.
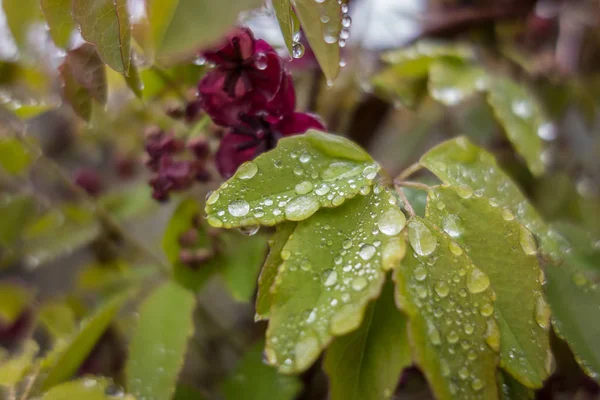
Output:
(407, 204)
(408, 171)
(414, 185)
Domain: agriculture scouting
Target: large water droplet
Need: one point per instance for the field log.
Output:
(297, 50)
(452, 226)
(421, 239)
(477, 280)
(304, 187)
(391, 222)
(452, 337)
(212, 197)
(214, 222)
(239, 208)
(307, 350)
(455, 249)
(322, 189)
(420, 274)
(247, 170)
(370, 172)
(433, 334)
(442, 289)
(507, 215)
(477, 384)
(486, 309)
(301, 208)
(346, 21)
(542, 312)
(367, 252)
(527, 241)
(359, 283)
(261, 61)
(492, 335)
(464, 191)
(249, 230)
(330, 278)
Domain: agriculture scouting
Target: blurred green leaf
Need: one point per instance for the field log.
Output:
(241, 262)
(185, 392)
(15, 212)
(522, 118)
(179, 28)
(574, 303)
(88, 71)
(270, 269)
(26, 107)
(288, 22)
(67, 355)
(134, 81)
(129, 202)
(88, 388)
(105, 23)
(407, 92)
(114, 276)
(14, 299)
(187, 217)
(159, 343)
(511, 389)
(366, 364)
(15, 368)
(59, 20)
(452, 81)
(302, 174)
(334, 264)
(460, 359)
(14, 156)
(57, 318)
(460, 163)
(322, 37)
(253, 380)
(500, 247)
(20, 15)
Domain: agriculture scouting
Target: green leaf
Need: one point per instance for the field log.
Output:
(366, 364)
(59, 20)
(334, 264)
(105, 23)
(453, 81)
(407, 92)
(510, 389)
(186, 392)
(89, 388)
(115, 276)
(288, 22)
(88, 71)
(187, 217)
(66, 357)
(322, 37)
(15, 368)
(241, 262)
(253, 380)
(134, 81)
(460, 163)
(159, 344)
(271, 268)
(179, 28)
(15, 212)
(501, 248)
(14, 299)
(454, 334)
(523, 120)
(128, 203)
(58, 319)
(302, 174)
(20, 15)
(575, 314)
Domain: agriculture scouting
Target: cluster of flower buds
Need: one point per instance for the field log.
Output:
(250, 93)
(175, 164)
(190, 254)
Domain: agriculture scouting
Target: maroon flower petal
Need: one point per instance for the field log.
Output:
(296, 123)
(238, 47)
(284, 101)
(235, 149)
(221, 108)
(266, 74)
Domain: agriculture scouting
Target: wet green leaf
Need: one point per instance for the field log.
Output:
(14, 299)
(366, 364)
(523, 120)
(241, 262)
(334, 264)
(288, 22)
(271, 268)
(302, 174)
(510, 389)
(460, 163)
(501, 248)
(105, 23)
(65, 358)
(179, 28)
(58, 318)
(575, 314)
(253, 380)
(159, 343)
(453, 81)
(20, 15)
(15, 212)
(454, 335)
(59, 20)
(404, 91)
(15, 368)
(322, 37)
(89, 388)
(187, 217)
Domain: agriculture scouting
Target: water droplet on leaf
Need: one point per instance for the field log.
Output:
(477, 280)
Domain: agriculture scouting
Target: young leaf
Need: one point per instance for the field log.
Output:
(453, 332)
(575, 315)
(523, 120)
(271, 268)
(460, 163)
(15, 212)
(13, 369)
(59, 20)
(366, 364)
(160, 341)
(287, 22)
(241, 262)
(322, 37)
(105, 23)
(58, 319)
(134, 81)
(89, 388)
(62, 362)
(253, 380)
(453, 81)
(14, 300)
(334, 264)
(302, 174)
(502, 249)
(14, 156)
(20, 15)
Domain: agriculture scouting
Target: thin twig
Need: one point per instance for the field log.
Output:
(407, 205)
(414, 185)
(409, 171)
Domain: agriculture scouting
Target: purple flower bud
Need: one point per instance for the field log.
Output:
(89, 180)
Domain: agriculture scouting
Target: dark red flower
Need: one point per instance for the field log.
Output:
(89, 180)
(258, 135)
(248, 75)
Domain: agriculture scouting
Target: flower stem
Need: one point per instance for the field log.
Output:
(408, 171)
(414, 185)
(407, 204)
